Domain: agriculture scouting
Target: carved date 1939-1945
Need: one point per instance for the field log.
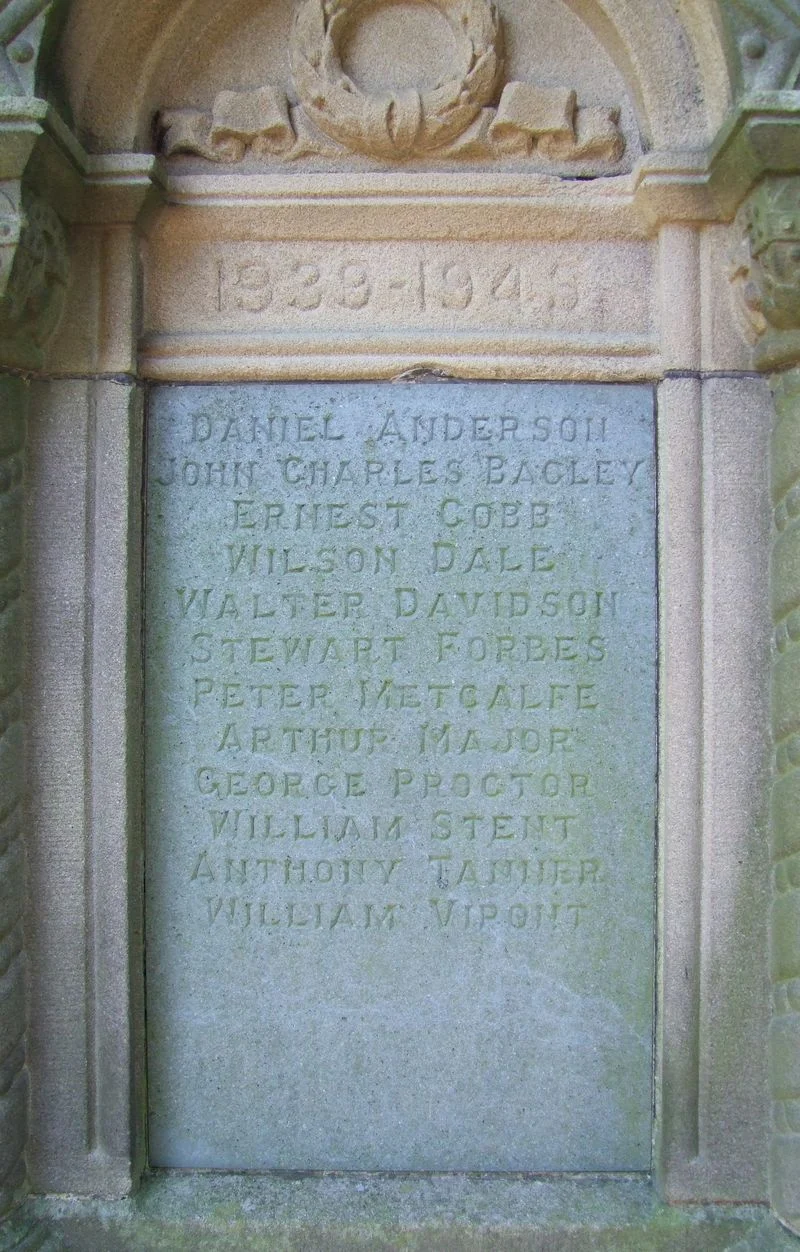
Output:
(292, 282)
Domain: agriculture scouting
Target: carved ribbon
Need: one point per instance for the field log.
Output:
(257, 121)
(529, 120)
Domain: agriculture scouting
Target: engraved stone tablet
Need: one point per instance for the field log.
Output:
(400, 703)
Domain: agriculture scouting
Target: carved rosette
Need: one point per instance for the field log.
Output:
(469, 112)
(21, 30)
(767, 34)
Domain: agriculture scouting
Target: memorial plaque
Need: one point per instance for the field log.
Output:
(400, 702)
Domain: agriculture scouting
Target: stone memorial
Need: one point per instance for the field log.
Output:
(400, 625)
(400, 776)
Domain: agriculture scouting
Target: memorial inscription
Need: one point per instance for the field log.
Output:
(400, 776)
(578, 290)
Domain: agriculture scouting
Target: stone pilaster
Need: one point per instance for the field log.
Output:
(772, 295)
(34, 283)
(785, 954)
(13, 1075)
(33, 274)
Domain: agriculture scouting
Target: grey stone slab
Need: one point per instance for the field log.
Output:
(400, 721)
(190, 1212)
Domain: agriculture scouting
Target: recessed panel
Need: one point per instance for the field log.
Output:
(400, 703)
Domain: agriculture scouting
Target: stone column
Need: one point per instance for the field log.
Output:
(772, 295)
(31, 302)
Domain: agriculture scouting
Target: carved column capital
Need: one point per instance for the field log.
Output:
(10, 231)
(769, 272)
(34, 271)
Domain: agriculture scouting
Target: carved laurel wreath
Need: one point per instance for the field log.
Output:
(394, 124)
(328, 114)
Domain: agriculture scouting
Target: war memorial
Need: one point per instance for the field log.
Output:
(400, 625)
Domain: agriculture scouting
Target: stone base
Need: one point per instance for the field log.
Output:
(191, 1212)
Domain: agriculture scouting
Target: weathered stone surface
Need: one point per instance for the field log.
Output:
(84, 766)
(786, 937)
(786, 570)
(182, 1212)
(242, 309)
(608, 279)
(400, 776)
(785, 807)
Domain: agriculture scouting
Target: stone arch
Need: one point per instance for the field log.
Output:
(676, 64)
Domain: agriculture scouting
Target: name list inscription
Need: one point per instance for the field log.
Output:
(400, 712)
